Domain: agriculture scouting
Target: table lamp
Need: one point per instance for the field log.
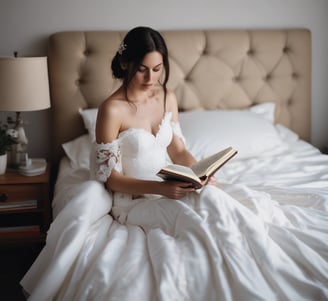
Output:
(24, 86)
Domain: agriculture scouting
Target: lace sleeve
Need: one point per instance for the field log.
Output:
(177, 131)
(107, 158)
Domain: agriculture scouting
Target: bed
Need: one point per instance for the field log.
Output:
(250, 89)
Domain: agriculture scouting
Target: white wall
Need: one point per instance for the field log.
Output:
(26, 24)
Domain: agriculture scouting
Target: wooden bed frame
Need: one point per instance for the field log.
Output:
(210, 69)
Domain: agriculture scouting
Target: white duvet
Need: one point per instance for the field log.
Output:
(262, 234)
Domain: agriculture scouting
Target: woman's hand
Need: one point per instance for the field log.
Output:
(175, 189)
(212, 181)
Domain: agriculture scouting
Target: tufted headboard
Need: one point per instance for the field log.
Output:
(210, 69)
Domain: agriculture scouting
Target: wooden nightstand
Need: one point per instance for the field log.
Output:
(25, 210)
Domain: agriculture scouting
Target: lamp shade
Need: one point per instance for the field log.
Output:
(24, 84)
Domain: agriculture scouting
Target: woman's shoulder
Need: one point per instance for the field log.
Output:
(171, 100)
(114, 104)
(111, 114)
(170, 93)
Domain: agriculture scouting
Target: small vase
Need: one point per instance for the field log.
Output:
(3, 164)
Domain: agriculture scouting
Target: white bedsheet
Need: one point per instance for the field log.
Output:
(90, 256)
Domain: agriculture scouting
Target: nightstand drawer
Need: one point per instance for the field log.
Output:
(25, 210)
(22, 192)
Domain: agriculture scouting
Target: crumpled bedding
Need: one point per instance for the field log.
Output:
(266, 237)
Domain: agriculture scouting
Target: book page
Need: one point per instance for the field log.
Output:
(179, 173)
(180, 169)
(209, 165)
(199, 173)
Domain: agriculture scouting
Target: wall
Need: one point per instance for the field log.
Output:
(26, 25)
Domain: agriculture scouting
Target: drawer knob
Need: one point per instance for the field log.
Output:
(3, 197)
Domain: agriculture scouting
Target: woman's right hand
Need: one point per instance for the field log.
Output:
(175, 189)
(170, 189)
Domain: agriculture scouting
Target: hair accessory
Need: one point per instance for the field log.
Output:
(121, 48)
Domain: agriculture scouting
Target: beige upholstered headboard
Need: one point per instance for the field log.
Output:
(210, 69)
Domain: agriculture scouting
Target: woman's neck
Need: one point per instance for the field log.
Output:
(140, 97)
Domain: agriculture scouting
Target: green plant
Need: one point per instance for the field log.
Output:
(6, 140)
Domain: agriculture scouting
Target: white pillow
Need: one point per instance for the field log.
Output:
(265, 110)
(89, 117)
(250, 131)
(78, 151)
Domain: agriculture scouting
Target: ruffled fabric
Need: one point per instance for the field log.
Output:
(228, 242)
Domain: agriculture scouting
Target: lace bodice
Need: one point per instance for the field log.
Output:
(136, 152)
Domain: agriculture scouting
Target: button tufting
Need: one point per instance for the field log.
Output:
(79, 82)
(250, 52)
(268, 77)
(286, 49)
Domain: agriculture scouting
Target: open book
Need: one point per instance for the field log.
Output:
(199, 173)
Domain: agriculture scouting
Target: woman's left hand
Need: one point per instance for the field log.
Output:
(212, 181)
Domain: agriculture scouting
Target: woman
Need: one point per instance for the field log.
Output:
(205, 244)
(141, 103)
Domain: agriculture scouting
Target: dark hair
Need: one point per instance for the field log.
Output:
(136, 44)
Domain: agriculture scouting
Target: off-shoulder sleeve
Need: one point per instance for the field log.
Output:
(107, 158)
(177, 131)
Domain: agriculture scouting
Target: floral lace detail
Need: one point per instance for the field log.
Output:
(108, 157)
(177, 131)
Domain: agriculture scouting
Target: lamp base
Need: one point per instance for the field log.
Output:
(36, 167)
(17, 158)
(18, 155)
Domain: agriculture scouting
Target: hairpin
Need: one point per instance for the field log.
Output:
(121, 48)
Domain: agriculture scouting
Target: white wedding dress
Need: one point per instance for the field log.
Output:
(224, 242)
